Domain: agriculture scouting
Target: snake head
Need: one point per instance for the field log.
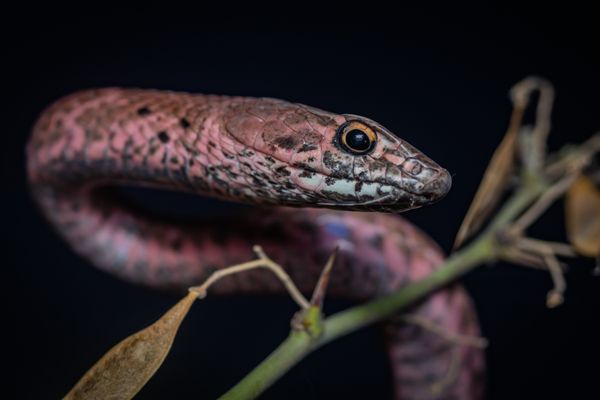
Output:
(336, 160)
(366, 166)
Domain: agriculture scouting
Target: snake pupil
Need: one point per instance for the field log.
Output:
(358, 140)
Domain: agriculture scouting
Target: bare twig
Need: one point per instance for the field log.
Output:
(542, 126)
(551, 195)
(521, 91)
(545, 247)
(555, 296)
(524, 258)
(263, 262)
(575, 160)
(541, 254)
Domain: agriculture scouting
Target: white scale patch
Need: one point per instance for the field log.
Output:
(311, 182)
(342, 186)
(370, 189)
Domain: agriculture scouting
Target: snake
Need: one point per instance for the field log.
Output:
(313, 180)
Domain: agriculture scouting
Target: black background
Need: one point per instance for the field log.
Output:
(438, 78)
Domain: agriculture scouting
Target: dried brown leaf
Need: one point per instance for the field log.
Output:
(125, 369)
(493, 183)
(500, 167)
(583, 216)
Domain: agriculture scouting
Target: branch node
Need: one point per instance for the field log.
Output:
(309, 319)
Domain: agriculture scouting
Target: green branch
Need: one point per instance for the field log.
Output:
(288, 354)
(300, 343)
(350, 320)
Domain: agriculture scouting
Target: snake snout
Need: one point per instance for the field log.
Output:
(438, 186)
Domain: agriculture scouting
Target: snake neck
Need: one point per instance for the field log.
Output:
(152, 138)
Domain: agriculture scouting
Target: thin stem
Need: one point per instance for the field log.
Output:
(220, 274)
(347, 321)
(542, 124)
(542, 204)
(545, 247)
(576, 158)
(262, 262)
(518, 202)
(525, 258)
(555, 296)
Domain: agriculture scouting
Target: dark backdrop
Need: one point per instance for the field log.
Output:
(439, 79)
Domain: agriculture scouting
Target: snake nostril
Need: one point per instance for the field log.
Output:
(416, 169)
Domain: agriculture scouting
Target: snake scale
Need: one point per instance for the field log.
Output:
(302, 168)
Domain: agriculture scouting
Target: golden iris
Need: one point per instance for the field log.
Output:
(356, 137)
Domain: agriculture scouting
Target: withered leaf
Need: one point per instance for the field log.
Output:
(582, 211)
(492, 185)
(126, 368)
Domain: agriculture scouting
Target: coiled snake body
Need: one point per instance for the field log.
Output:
(269, 153)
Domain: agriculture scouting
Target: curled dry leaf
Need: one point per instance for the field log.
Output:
(126, 368)
(493, 183)
(500, 167)
(583, 216)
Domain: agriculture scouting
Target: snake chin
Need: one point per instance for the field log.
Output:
(388, 203)
(372, 202)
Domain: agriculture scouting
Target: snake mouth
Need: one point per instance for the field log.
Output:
(382, 201)
(386, 203)
(379, 196)
(375, 195)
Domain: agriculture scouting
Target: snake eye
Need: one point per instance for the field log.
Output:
(356, 138)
